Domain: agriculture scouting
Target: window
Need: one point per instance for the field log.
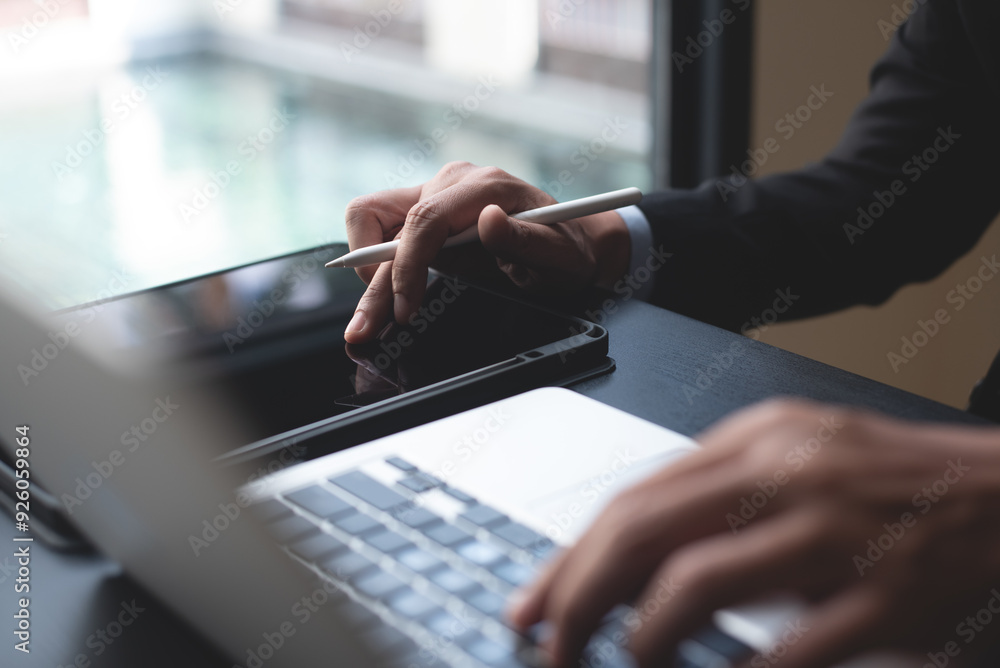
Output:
(160, 140)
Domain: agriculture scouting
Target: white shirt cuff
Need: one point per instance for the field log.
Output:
(641, 235)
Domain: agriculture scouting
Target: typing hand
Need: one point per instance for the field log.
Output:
(567, 256)
(887, 529)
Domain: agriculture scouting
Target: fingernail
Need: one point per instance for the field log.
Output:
(357, 323)
(401, 306)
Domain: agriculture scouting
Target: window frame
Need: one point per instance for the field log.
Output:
(701, 110)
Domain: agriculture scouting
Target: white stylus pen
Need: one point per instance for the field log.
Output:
(546, 215)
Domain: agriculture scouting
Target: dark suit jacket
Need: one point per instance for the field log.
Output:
(936, 90)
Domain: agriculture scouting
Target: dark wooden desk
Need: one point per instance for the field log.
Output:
(665, 374)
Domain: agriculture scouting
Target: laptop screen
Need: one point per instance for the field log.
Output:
(141, 506)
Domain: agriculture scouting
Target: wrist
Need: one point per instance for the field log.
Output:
(611, 245)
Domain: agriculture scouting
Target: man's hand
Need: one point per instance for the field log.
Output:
(889, 530)
(567, 256)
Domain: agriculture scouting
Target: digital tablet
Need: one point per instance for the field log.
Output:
(269, 335)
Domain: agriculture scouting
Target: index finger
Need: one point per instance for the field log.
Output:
(431, 221)
(375, 218)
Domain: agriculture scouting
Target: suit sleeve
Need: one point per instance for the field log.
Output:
(911, 186)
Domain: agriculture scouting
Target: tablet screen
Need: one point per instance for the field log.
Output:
(271, 336)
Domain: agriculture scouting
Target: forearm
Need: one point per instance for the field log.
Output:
(735, 243)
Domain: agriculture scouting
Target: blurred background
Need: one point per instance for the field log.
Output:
(168, 138)
(149, 142)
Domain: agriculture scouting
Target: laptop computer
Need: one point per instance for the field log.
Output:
(398, 552)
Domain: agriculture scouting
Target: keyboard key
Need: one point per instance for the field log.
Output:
(545, 550)
(419, 482)
(378, 585)
(522, 537)
(691, 654)
(289, 528)
(452, 581)
(357, 524)
(269, 510)
(346, 565)
(483, 516)
(448, 535)
(447, 625)
(457, 494)
(315, 547)
(412, 605)
(723, 643)
(417, 517)
(614, 655)
(319, 502)
(514, 573)
(486, 602)
(418, 560)
(401, 464)
(491, 653)
(369, 490)
(386, 541)
(480, 553)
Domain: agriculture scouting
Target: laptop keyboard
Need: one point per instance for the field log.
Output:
(421, 589)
